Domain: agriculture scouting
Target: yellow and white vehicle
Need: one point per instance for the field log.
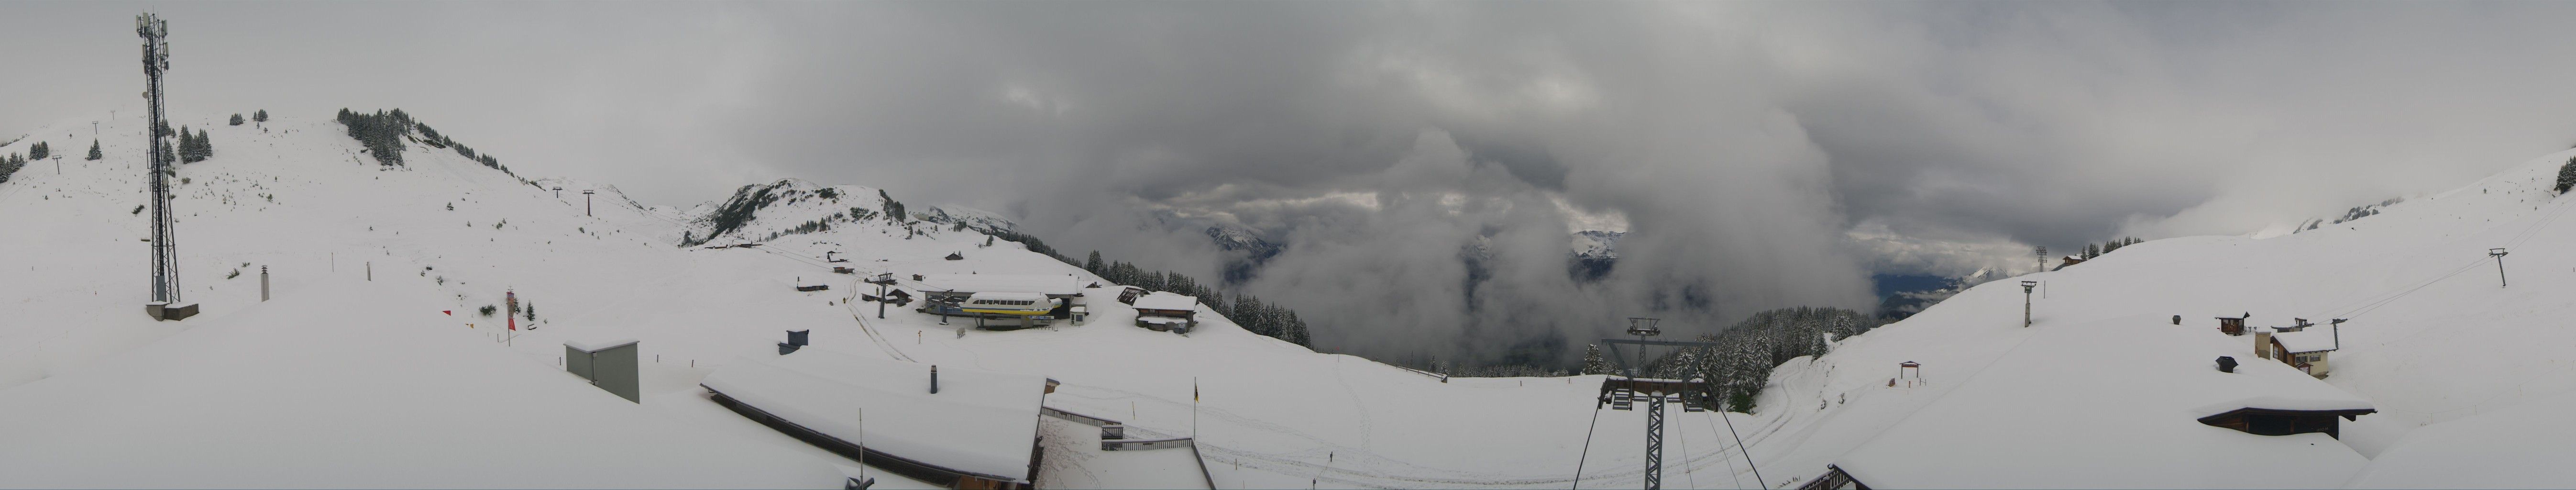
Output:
(1021, 304)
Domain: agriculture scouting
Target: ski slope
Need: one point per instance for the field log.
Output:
(2434, 344)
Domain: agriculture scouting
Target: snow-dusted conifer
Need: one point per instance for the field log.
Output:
(2567, 176)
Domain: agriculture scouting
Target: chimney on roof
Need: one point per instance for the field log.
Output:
(2263, 343)
(2226, 364)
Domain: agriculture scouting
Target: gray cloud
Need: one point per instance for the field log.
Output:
(1762, 154)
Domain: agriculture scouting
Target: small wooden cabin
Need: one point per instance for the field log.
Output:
(2232, 325)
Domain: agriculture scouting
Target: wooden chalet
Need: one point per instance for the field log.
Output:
(2298, 347)
(1167, 312)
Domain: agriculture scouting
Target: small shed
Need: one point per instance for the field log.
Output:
(609, 365)
(1167, 312)
(2234, 325)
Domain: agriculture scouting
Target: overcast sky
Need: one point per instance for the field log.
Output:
(1761, 154)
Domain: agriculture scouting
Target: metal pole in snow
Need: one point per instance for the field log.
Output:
(2499, 254)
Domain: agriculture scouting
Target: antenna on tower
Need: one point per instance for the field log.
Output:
(165, 303)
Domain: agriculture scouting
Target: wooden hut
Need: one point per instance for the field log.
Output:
(2232, 325)
(1167, 312)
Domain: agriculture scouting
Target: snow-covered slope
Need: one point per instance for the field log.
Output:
(2433, 340)
(299, 199)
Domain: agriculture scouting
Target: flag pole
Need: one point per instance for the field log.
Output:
(1194, 408)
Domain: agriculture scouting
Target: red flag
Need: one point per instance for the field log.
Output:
(511, 297)
(448, 312)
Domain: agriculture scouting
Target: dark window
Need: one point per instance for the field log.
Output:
(2270, 425)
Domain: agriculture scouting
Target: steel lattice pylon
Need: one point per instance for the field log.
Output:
(165, 254)
(1655, 442)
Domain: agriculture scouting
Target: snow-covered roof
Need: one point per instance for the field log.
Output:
(2111, 403)
(1166, 301)
(1002, 283)
(391, 394)
(980, 422)
(2306, 340)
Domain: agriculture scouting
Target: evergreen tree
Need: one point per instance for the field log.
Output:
(2567, 176)
(1593, 363)
(9, 166)
(1247, 304)
(381, 133)
(1299, 334)
(259, 115)
(2091, 250)
(194, 146)
(893, 209)
(1093, 264)
(93, 150)
(167, 155)
(38, 151)
(237, 119)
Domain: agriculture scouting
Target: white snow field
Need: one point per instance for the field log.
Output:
(2463, 373)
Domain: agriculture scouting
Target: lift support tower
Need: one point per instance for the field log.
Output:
(1623, 392)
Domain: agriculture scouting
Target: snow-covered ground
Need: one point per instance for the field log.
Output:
(2447, 357)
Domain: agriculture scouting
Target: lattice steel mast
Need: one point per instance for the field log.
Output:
(165, 255)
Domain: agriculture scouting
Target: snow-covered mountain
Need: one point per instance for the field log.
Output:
(1597, 244)
(2463, 373)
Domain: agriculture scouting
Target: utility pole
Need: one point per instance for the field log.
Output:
(2026, 286)
(558, 192)
(58, 164)
(2498, 253)
(585, 202)
(2042, 252)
